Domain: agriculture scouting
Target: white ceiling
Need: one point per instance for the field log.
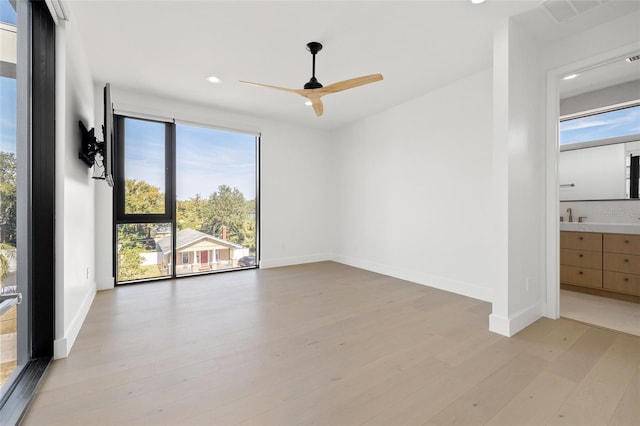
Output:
(599, 77)
(168, 48)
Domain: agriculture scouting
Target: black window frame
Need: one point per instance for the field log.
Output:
(120, 174)
(40, 217)
(120, 217)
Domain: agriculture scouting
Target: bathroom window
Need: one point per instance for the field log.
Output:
(607, 126)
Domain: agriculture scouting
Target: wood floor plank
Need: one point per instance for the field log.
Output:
(627, 413)
(327, 344)
(578, 360)
(535, 403)
(483, 401)
(598, 395)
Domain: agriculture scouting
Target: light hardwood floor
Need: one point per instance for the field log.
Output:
(333, 345)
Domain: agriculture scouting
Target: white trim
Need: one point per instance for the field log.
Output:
(551, 303)
(7, 27)
(600, 142)
(58, 10)
(62, 346)
(515, 323)
(60, 349)
(146, 113)
(499, 324)
(216, 127)
(602, 110)
(419, 277)
(289, 261)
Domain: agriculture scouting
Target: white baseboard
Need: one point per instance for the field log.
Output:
(62, 346)
(515, 323)
(419, 277)
(288, 261)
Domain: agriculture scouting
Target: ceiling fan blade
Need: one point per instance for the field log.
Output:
(301, 92)
(349, 84)
(316, 103)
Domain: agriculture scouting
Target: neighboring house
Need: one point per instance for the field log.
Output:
(197, 251)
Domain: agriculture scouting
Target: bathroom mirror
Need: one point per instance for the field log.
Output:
(599, 131)
(606, 172)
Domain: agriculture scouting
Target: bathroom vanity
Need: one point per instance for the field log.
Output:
(601, 259)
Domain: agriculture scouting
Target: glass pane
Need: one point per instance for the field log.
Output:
(621, 122)
(216, 200)
(144, 167)
(8, 243)
(144, 251)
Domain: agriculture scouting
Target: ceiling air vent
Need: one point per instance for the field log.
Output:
(631, 59)
(563, 10)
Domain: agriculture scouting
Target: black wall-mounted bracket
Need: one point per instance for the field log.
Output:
(90, 146)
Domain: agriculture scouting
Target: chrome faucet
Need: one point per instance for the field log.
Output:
(570, 214)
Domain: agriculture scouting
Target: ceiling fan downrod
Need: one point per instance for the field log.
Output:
(313, 47)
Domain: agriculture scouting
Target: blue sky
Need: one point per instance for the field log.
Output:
(7, 14)
(622, 122)
(7, 114)
(205, 158)
(7, 92)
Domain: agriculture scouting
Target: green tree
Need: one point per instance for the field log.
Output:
(142, 198)
(228, 208)
(191, 213)
(7, 254)
(7, 197)
(130, 262)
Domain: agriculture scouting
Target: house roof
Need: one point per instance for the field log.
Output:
(189, 236)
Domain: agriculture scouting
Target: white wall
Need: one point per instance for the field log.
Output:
(518, 157)
(75, 221)
(412, 185)
(295, 196)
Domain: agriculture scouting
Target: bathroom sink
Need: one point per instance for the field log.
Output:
(612, 228)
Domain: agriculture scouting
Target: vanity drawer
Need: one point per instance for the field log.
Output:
(622, 243)
(617, 262)
(591, 241)
(584, 258)
(585, 277)
(622, 283)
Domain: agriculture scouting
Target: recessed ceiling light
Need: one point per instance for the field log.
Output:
(570, 77)
(308, 103)
(477, 1)
(213, 79)
(633, 58)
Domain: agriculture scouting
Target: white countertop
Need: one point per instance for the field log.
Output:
(611, 228)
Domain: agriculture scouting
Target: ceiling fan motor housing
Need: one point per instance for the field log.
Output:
(313, 47)
(312, 84)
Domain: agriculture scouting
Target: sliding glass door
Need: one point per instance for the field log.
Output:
(8, 188)
(185, 196)
(27, 201)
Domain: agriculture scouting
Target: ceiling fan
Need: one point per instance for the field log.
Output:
(314, 91)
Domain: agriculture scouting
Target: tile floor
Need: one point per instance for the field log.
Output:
(601, 311)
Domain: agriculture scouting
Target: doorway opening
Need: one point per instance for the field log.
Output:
(599, 229)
